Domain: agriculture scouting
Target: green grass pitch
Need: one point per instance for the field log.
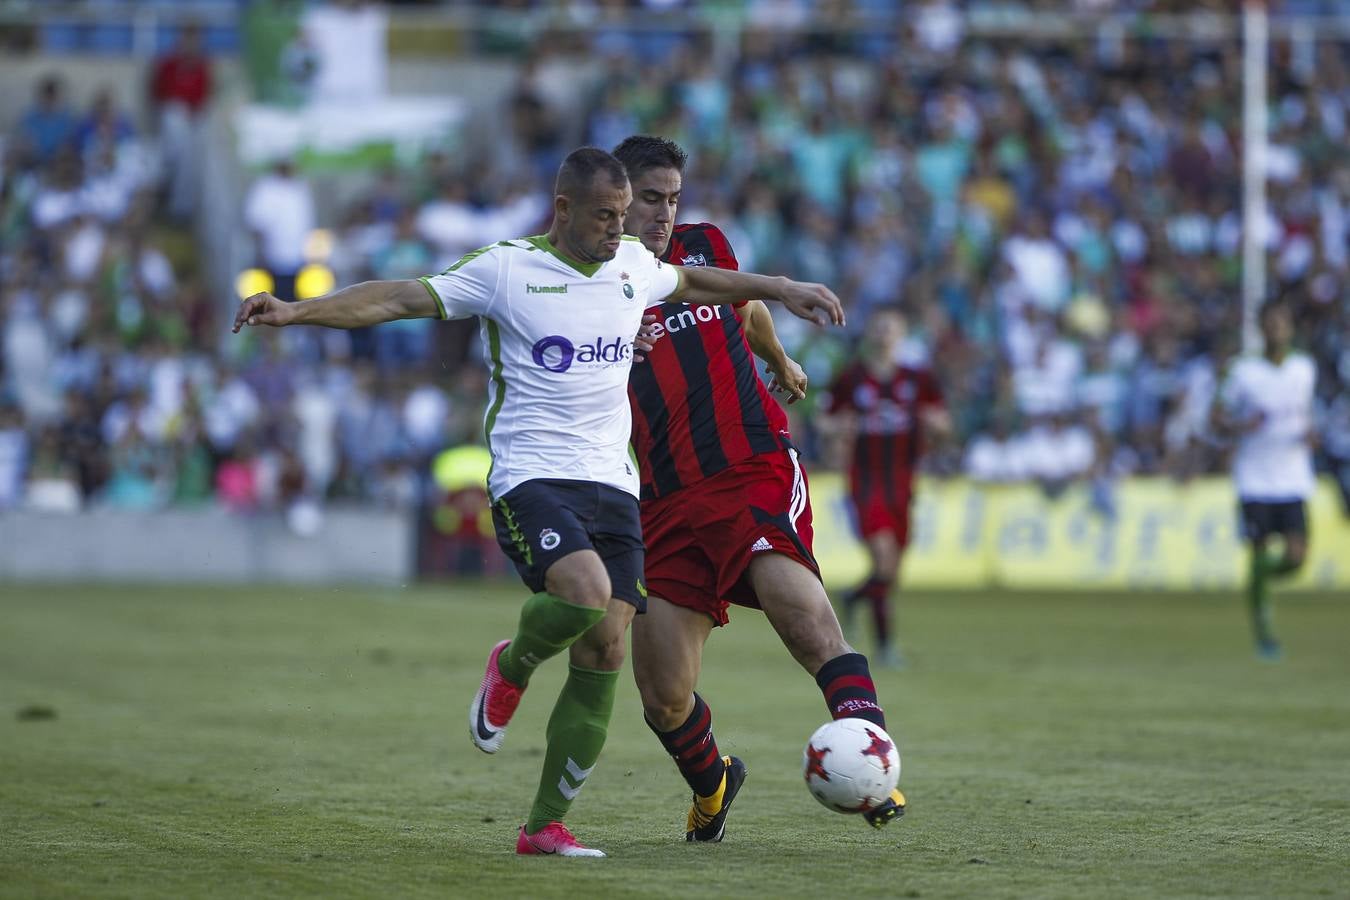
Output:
(249, 742)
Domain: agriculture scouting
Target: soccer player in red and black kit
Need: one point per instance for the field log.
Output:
(726, 516)
(890, 410)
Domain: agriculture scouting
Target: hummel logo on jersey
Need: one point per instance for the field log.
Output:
(546, 288)
(761, 545)
(694, 259)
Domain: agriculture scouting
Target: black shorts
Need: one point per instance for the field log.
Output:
(541, 521)
(1260, 519)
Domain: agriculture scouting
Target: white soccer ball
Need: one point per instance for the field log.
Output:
(851, 765)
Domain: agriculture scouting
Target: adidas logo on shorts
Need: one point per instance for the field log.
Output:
(760, 545)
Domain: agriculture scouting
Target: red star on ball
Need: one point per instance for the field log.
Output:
(880, 748)
(814, 758)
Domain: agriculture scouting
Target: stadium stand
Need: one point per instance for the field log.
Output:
(1058, 216)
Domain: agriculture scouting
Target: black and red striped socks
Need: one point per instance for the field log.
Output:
(849, 692)
(695, 750)
(877, 593)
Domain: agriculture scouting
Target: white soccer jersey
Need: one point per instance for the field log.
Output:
(1274, 462)
(558, 342)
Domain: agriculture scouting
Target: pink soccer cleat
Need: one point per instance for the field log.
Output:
(493, 705)
(552, 840)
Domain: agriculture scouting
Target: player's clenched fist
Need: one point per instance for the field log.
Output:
(263, 309)
(788, 377)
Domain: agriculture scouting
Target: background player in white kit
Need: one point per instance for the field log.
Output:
(559, 313)
(1266, 401)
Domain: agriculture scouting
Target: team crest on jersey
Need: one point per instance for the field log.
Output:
(627, 288)
(549, 539)
(694, 259)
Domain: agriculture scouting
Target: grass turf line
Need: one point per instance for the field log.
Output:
(311, 742)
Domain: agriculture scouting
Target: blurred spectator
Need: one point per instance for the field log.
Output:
(939, 26)
(180, 89)
(48, 125)
(59, 197)
(104, 129)
(1057, 452)
(28, 354)
(137, 480)
(1045, 378)
(1038, 263)
(53, 483)
(316, 417)
(426, 412)
(407, 341)
(536, 132)
(1336, 445)
(994, 457)
(348, 38)
(1100, 391)
(81, 443)
(13, 456)
(279, 212)
(450, 222)
(237, 480)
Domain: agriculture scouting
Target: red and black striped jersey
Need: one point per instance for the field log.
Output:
(698, 403)
(889, 431)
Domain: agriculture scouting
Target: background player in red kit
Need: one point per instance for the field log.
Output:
(726, 516)
(889, 410)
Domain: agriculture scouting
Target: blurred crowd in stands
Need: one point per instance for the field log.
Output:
(1060, 221)
(117, 386)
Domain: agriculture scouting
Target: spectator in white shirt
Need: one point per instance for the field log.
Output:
(1040, 264)
(449, 223)
(279, 212)
(1059, 452)
(1046, 382)
(992, 456)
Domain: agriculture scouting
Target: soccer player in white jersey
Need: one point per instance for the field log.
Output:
(559, 314)
(1266, 401)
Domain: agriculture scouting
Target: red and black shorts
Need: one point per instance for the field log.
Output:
(701, 538)
(879, 511)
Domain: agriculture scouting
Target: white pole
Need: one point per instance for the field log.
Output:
(1256, 39)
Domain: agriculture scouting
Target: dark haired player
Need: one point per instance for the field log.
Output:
(889, 410)
(559, 313)
(725, 511)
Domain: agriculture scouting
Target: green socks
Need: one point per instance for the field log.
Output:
(580, 721)
(1264, 567)
(1258, 597)
(548, 626)
(576, 734)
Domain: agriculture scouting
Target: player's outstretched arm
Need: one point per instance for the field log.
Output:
(367, 303)
(786, 375)
(707, 286)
